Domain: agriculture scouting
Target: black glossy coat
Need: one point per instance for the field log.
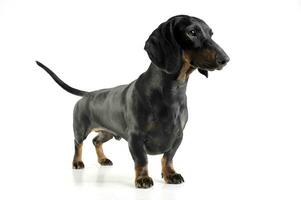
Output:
(151, 112)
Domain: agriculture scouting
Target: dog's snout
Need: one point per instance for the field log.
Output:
(222, 60)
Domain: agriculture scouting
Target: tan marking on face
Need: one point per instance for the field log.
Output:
(186, 68)
(167, 168)
(208, 55)
(205, 56)
(141, 171)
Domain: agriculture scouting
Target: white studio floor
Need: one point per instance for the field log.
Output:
(208, 175)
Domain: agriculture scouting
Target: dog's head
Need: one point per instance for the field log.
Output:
(189, 36)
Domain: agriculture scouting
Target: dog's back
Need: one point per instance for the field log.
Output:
(102, 110)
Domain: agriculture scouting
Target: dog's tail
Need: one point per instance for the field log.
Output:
(60, 82)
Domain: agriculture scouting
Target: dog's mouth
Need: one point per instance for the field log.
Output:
(204, 68)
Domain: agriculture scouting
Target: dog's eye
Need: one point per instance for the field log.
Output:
(210, 32)
(192, 33)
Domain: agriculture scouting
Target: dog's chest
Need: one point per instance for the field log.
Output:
(164, 125)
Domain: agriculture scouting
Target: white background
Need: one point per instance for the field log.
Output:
(242, 140)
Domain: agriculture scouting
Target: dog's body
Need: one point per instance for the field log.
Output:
(152, 107)
(151, 112)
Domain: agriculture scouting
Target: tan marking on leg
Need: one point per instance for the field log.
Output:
(142, 179)
(78, 152)
(141, 171)
(99, 152)
(77, 162)
(167, 168)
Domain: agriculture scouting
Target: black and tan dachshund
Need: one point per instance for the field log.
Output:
(151, 112)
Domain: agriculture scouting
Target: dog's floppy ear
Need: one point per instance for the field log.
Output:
(163, 49)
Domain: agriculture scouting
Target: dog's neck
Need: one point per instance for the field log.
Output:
(186, 68)
(155, 79)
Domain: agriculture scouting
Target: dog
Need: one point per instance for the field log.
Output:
(151, 112)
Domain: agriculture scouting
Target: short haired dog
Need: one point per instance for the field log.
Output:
(150, 113)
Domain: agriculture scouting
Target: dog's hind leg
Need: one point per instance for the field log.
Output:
(101, 138)
(80, 127)
(80, 136)
(77, 159)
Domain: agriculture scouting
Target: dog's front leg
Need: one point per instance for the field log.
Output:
(168, 173)
(136, 146)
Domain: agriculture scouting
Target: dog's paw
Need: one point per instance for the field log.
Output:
(144, 182)
(78, 165)
(105, 162)
(174, 179)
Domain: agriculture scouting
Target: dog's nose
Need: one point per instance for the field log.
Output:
(222, 60)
